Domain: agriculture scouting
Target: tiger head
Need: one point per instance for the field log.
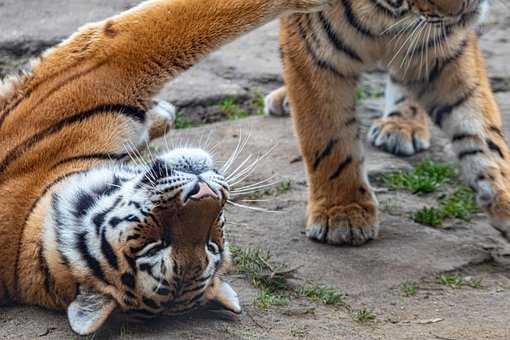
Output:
(145, 240)
(439, 11)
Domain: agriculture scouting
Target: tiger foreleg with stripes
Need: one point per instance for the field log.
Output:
(432, 53)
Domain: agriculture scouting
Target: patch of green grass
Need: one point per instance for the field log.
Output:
(233, 111)
(409, 288)
(257, 265)
(363, 315)
(273, 280)
(268, 298)
(324, 295)
(460, 204)
(427, 177)
(259, 103)
(283, 187)
(182, 122)
(432, 217)
(299, 332)
(476, 284)
(452, 281)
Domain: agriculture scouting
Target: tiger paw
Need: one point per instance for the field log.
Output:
(161, 118)
(493, 195)
(276, 103)
(354, 224)
(403, 132)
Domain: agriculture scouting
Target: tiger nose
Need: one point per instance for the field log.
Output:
(201, 191)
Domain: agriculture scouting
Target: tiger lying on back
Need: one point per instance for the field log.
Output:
(80, 230)
(431, 51)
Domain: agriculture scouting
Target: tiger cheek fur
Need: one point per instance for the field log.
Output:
(431, 51)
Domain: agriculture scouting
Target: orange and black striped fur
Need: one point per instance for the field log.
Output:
(430, 49)
(80, 230)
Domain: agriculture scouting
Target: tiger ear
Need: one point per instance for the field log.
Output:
(227, 298)
(89, 311)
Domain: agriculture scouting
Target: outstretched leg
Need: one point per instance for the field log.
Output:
(404, 128)
(341, 207)
(460, 101)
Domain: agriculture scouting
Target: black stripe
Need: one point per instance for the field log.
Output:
(100, 217)
(461, 136)
(319, 62)
(194, 289)
(401, 100)
(351, 121)
(163, 291)
(108, 188)
(92, 263)
(394, 114)
(319, 156)
(128, 280)
(126, 110)
(335, 40)
(496, 130)
(43, 265)
(441, 112)
(398, 12)
(93, 156)
(341, 168)
(354, 22)
(494, 147)
(150, 303)
(467, 153)
(84, 202)
(108, 252)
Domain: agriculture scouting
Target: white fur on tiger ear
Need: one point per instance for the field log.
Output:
(88, 312)
(226, 297)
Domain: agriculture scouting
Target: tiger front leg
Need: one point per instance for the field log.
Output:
(461, 103)
(342, 209)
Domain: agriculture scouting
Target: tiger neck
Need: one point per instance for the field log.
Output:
(43, 278)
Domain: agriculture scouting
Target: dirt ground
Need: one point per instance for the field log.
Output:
(372, 278)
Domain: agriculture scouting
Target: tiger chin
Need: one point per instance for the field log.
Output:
(80, 229)
(436, 70)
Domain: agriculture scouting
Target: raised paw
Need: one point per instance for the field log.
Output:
(354, 225)
(161, 118)
(277, 103)
(404, 132)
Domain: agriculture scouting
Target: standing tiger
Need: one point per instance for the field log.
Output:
(431, 51)
(81, 230)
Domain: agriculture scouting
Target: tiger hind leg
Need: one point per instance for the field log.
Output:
(404, 128)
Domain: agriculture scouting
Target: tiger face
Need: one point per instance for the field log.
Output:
(147, 240)
(438, 11)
